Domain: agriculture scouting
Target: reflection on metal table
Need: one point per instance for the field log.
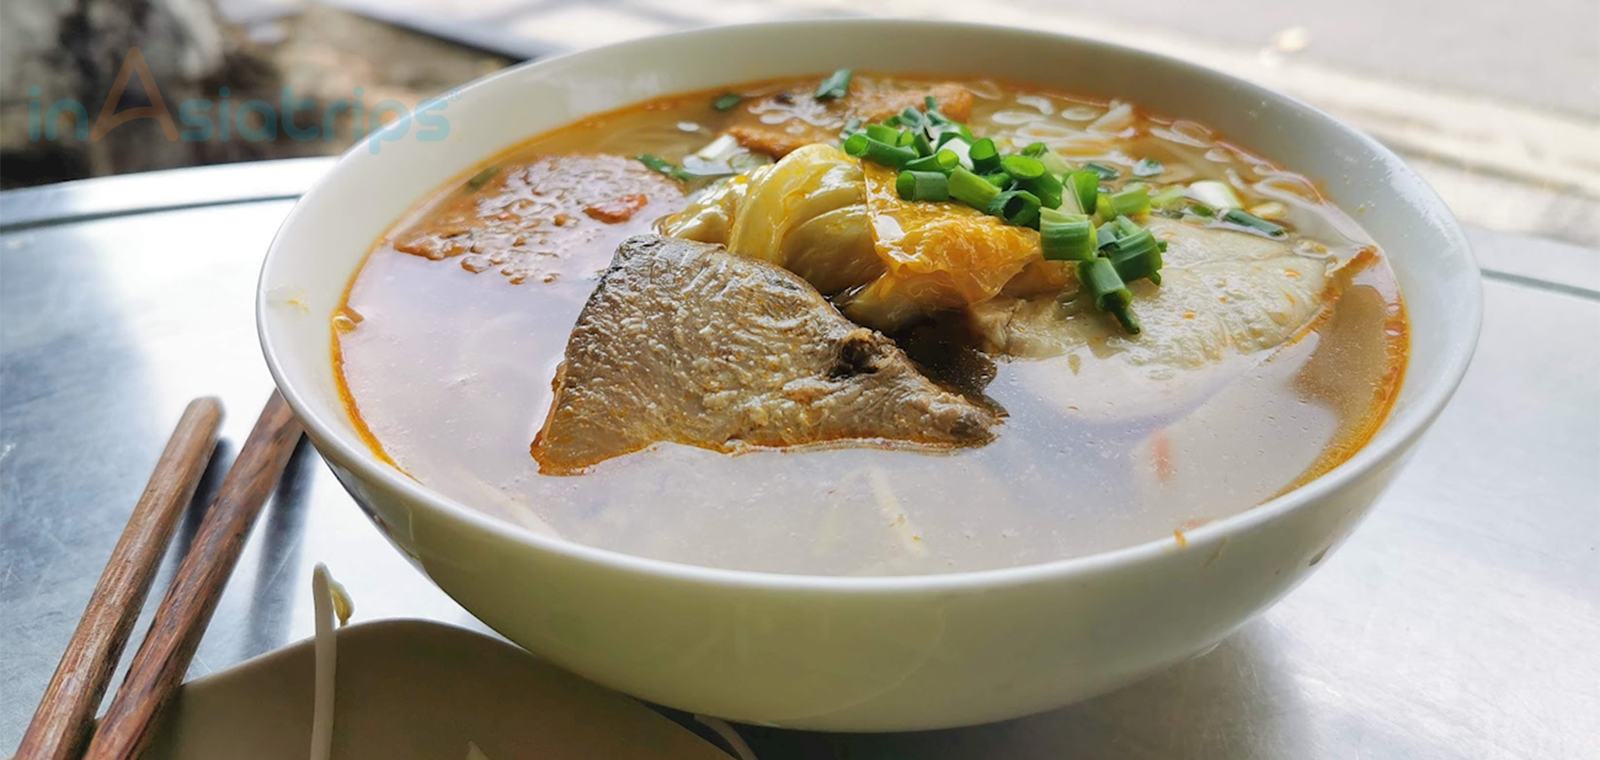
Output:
(1459, 621)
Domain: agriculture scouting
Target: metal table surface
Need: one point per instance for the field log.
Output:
(1461, 620)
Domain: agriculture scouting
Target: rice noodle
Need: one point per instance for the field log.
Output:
(1118, 121)
(889, 505)
(734, 741)
(1081, 113)
(1186, 133)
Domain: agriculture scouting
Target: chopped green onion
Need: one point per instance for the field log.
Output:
(1109, 293)
(1130, 202)
(1135, 254)
(1214, 194)
(851, 127)
(1102, 171)
(998, 179)
(1168, 196)
(913, 118)
(1201, 210)
(482, 178)
(1107, 234)
(943, 162)
(656, 164)
(1047, 187)
(1148, 167)
(878, 152)
(931, 105)
(1066, 237)
(971, 189)
(1018, 207)
(1086, 185)
(1253, 222)
(985, 156)
(903, 138)
(883, 133)
(727, 102)
(1022, 167)
(922, 186)
(1054, 163)
(837, 85)
(1035, 149)
(1104, 208)
(919, 143)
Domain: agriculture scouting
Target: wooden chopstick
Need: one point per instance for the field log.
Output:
(60, 725)
(181, 620)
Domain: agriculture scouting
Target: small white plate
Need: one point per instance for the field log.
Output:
(413, 689)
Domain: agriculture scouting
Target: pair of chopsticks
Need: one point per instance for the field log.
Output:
(64, 721)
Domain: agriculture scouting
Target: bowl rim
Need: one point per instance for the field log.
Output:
(1391, 439)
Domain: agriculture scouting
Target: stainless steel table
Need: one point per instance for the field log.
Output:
(1463, 620)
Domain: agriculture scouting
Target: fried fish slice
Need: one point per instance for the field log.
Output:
(685, 342)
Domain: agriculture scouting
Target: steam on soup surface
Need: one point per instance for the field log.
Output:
(866, 380)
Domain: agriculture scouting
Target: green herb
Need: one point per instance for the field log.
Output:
(837, 85)
(1022, 167)
(971, 189)
(482, 178)
(1108, 292)
(1066, 237)
(1085, 186)
(1018, 207)
(943, 162)
(1253, 222)
(727, 102)
(1035, 149)
(878, 151)
(661, 166)
(985, 156)
(1148, 167)
(923, 186)
(1104, 172)
(1130, 202)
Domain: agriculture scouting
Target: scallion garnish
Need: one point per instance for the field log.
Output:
(662, 166)
(998, 179)
(923, 186)
(1048, 188)
(1102, 171)
(1168, 196)
(1253, 222)
(727, 102)
(877, 151)
(1066, 237)
(1035, 149)
(1108, 292)
(482, 177)
(1136, 254)
(837, 85)
(1148, 167)
(883, 133)
(1018, 207)
(1085, 184)
(985, 156)
(1130, 202)
(943, 161)
(1022, 167)
(851, 127)
(971, 189)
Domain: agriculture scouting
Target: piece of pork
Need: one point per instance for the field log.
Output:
(685, 342)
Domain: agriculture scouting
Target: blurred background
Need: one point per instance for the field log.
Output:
(1497, 105)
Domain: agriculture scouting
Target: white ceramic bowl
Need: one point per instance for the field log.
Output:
(864, 653)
